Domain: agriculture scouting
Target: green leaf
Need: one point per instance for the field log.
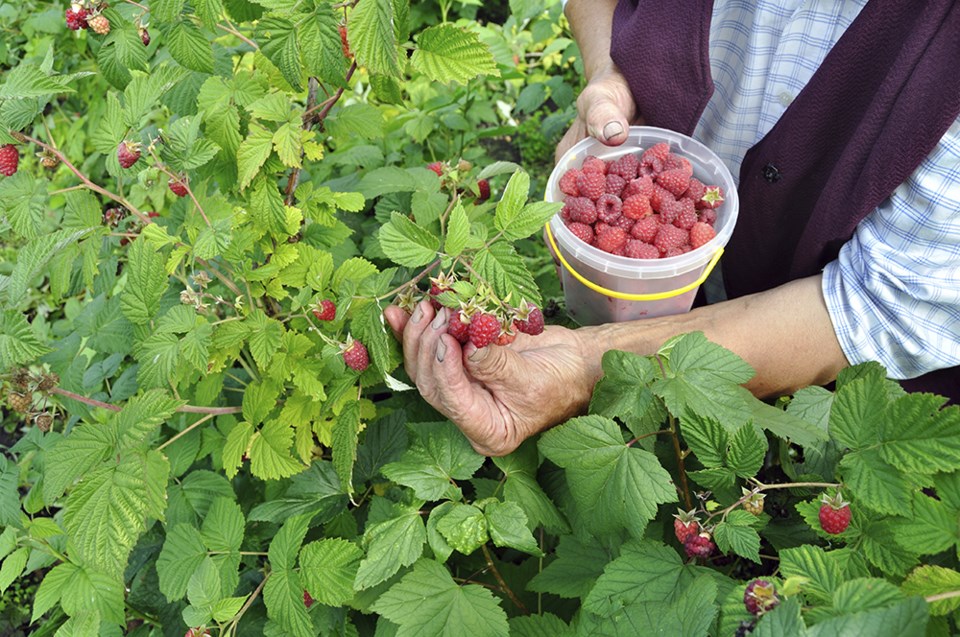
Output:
(616, 486)
(328, 568)
(875, 483)
(823, 575)
(747, 450)
(372, 39)
(440, 455)
(735, 535)
(931, 529)
(266, 336)
(544, 625)
(458, 232)
(446, 53)
(906, 619)
(270, 456)
(18, 342)
(389, 179)
(578, 565)
(142, 416)
(706, 438)
(345, 432)
(359, 120)
(521, 486)
(24, 201)
(879, 546)
(464, 528)
(645, 572)
(781, 621)
(278, 43)
(253, 152)
(501, 266)
(391, 544)
(32, 259)
(27, 81)
(865, 593)
(223, 526)
(283, 597)
(406, 243)
(319, 41)
(203, 589)
(428, 603)
(259, 400)
(76, 455)
(146, 283)
(507, 525)
(929, 580)
(856, 417)
(12, 567)
(182, 553)
(513, 199)
(918, 436)
(188, 46)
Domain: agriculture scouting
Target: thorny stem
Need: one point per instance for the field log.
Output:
(500, 581)
(86, 180)
(190, 409)
(185, 431)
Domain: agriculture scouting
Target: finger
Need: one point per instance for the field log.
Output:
(412, 333)
(492, 364)
(575, 133)
(427, 354)
(396, 319)
(605, 121)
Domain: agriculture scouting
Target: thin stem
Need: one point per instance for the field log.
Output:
(942, 596)
(647, 435)
(500, 581)
(409, 283)
(185, 432)
(169, 173)
(253, 596)
(233, 31)
(684, 485)
(189, 409)
(795, 485)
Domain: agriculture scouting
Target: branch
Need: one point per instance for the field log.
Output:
(188, 409)
(503, 585)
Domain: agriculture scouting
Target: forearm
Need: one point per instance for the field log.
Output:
(785, 334)
(592, 22)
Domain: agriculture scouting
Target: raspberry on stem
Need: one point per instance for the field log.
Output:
(834, 514)
(128, 153)
(325, 310)
(355, 355)
(9, 160)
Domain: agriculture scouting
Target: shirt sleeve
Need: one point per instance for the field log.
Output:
(893, 293)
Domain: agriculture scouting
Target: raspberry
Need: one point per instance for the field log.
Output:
(145, 37)
(753, 502)
(708, 216)
(645, 229)
(582, 210)
(674, 161)
(760, 596)
(591, 185)
(76, 18)
(701, 233)
(505, 338)
(658, 196)
(44, 422)
(582, 231)
(484, 187)
(484, 329)
(532, 324)
(48, 381)
(612, 240)
(834, 514)
(696, 190)
(436, 289)
(640, 186)
(599, 228)
(594, 165)
(669, 236)
(21, 378)
(436, 167)
(671, 209)
(9, 160)
(658, 151)
(625, 166)
(623, 223)
(325, 310)
(637, 207)
(687, 215)
(307, 599)
(636, 249)
(458, 329)
(568, 183)
(355, 356)
(712, 198)
(685, 524)
(48, 159)
(344, 44)
(20, 402)
(128, 154)
(99, 24)
(676, 180)
(178, 187)
(674, 252)
(615, 184)
(608, 208)
(699, 545)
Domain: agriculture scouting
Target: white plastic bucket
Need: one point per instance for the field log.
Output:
(600, 287)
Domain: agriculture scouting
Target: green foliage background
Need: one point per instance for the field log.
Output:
(212, 459)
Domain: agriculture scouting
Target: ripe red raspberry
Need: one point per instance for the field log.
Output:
(685, 525)
(594, 165)
(674, 161)
(128, 154)
(611, 240)
(701, 233)
(436, 289)
(687, 215)
(696, 190)
(675, 180)
(9, 160)
(646, 229)
(712, 198)
(623, 223)
(531, 323)
(568, 182)
(457, 328)
(637, 207)
(608, 208)
(636, 249)
(708, 216)
(484, 329)
(484, 187)
(144, 36)
(325, 310)
(615, 184)
(625, 166)
(760, 597)
(99, 24)
(582, 210)
(671, 209)
(178, 187)
(658, 196)
(355, 356)
(582, 231)
(699, 545)
(669, 236)
(640, 186)
(591, 185)
(658, 151)
(76, 17)
(307, 599)
(436, 167)
(834, 514)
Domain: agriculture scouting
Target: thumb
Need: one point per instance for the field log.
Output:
(606, 122)
(491, 363)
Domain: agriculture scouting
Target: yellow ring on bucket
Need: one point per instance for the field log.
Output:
(655, 296)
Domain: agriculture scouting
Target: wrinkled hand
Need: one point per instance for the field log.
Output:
(498, 396)
(605, 109)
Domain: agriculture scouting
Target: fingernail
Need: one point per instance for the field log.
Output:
(439, 320)
(441, 351)
(417, 315)
(611, 130)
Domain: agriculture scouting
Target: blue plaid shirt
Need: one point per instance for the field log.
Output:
(893, 293)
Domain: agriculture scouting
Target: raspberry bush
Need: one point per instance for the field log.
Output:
(205, 207)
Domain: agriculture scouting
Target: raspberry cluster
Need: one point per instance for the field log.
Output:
(645, 205)
(79, 17)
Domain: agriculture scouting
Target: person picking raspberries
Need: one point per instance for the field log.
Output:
(841, 121)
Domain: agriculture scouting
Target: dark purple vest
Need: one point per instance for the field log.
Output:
(882, 99)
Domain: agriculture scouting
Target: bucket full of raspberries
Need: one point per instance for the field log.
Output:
(642, 226)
